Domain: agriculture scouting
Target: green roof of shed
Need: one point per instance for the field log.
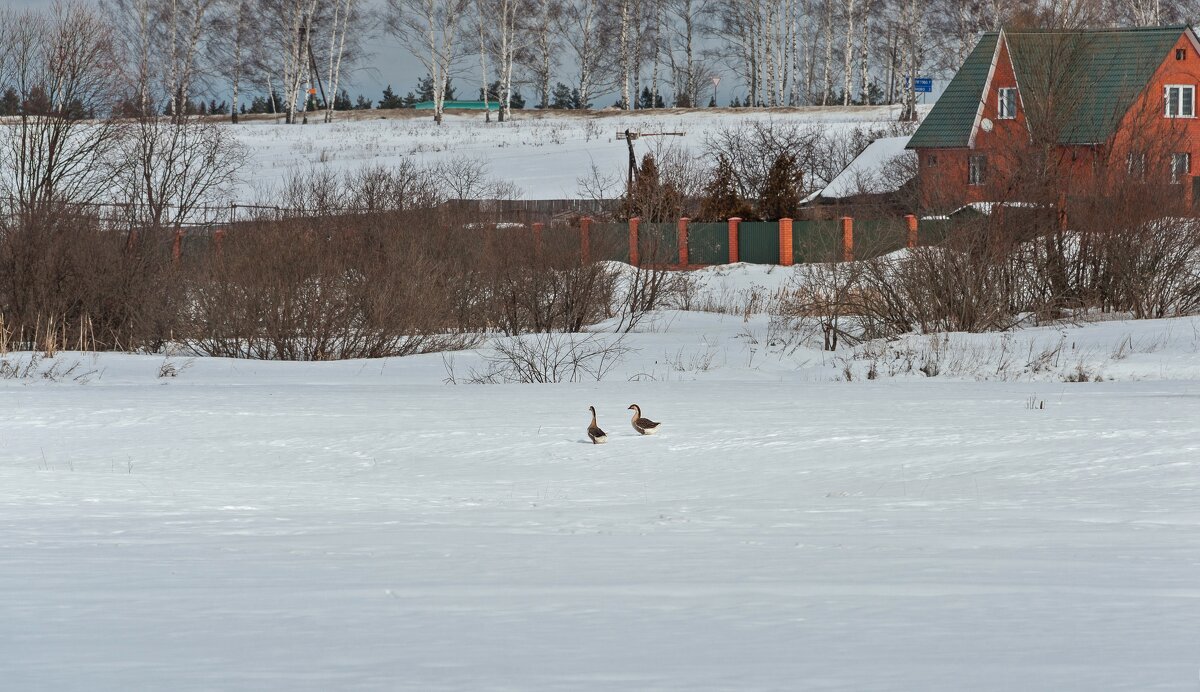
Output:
(1080, 83)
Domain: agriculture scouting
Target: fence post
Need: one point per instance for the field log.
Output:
(786, 257)
(585, 240)
(733, 239)
(683, 242)
(634, 256)
(132, 240)
(911, 220)
(537, 238)
(847, 239)
(177, 246)
(219, 239)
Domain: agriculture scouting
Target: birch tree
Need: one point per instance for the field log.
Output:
(590, 44)
(429, 29)
(546, 44)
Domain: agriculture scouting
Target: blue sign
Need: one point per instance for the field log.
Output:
(923, 85)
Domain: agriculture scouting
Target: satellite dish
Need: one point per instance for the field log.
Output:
(986, 125)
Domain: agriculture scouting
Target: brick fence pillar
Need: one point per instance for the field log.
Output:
(585, 240)
(683, 241)
(911, 221)
(537, 238)
(634, 255)
(786, 257)
(177, 246)
(219, 241)
(847, 239)
(733, 239)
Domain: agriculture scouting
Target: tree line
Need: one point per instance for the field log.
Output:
(295, 57)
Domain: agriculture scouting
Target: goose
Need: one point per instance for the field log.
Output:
(644, 426)
(595, 434)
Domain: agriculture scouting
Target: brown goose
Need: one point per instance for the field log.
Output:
(644, 426)
(595, 434)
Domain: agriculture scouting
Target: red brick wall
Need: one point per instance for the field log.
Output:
(1145, 127)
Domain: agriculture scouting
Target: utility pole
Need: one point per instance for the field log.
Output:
(629, 136)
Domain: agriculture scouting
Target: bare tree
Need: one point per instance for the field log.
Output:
(591, 45)
(545, 44)
(167, 171)
(61, 65)
(429, 29)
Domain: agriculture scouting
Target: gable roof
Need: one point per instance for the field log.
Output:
(1086, 79)
(952, 118)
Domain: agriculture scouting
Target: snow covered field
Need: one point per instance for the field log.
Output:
(543, 154)
(364, 526)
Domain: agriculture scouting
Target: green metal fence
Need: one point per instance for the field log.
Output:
(561, 242)
(610, 241)
(816, 241)
(758, 242)
(708, 243)
(935, 231)
(878, 237)
(658, 243)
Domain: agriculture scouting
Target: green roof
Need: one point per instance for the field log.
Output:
(952, 118)
(1079, 84)
(459, 106)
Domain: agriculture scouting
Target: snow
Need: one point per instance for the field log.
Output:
(544, 154)
(362, 525)
(863, 175)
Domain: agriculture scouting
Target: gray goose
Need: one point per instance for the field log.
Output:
(644, 426)
(595, 434)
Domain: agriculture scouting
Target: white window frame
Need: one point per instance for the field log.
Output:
(1181, 89)
(1002, 111)
(976, 175)
(1135, 165)
(1178, 173)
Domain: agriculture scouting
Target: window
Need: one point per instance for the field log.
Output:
(1181, 53)
(1181, 167)
(976, 167)
(1181, 101)
(1135, 164)
(1007, 108)
(931, 160)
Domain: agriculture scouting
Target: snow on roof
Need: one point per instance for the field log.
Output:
(863, 173)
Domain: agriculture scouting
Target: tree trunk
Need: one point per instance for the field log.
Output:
(849, 54)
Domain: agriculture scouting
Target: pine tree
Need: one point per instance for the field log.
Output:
(562, 97)
(646, 99)
(362, 103)
(425, 89)
(651, 199)
(390, 100)
(518, 101)
(341, 102)
(781, 189)
(10, 103)
(721, 200)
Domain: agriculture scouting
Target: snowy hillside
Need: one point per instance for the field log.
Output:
(168, 523)
(543, 154)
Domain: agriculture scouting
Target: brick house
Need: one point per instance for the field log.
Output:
(1095, 108)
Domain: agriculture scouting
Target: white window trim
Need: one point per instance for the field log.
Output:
(1178, 176)
(1167, 99)
(982, 168)
(1000, 112)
